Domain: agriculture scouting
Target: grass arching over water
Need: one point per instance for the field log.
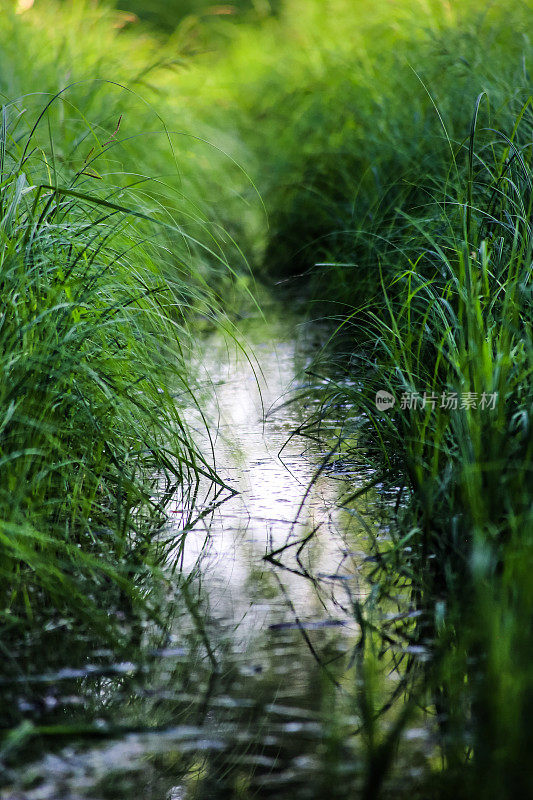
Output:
(112, 261)
(456, 323)
(94, 344)
(357, 178)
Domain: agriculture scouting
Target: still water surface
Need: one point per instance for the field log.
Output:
(250, 691)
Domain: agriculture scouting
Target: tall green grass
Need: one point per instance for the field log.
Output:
(454, 326)
(114, 256)
(94, 351)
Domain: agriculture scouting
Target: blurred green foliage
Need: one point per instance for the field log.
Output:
(166, 16)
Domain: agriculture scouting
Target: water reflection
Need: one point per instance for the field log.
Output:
(248, 686)
(283, 511)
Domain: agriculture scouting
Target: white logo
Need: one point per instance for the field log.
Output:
(384, 400)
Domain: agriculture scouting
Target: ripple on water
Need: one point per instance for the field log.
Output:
(168, 723)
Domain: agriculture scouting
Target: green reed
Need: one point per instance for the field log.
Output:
(451, 341)
(94, 346)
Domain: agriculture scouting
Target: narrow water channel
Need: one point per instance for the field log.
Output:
(250, 689)
(281, 547)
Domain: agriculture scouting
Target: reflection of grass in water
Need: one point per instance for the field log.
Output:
(261, 584)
